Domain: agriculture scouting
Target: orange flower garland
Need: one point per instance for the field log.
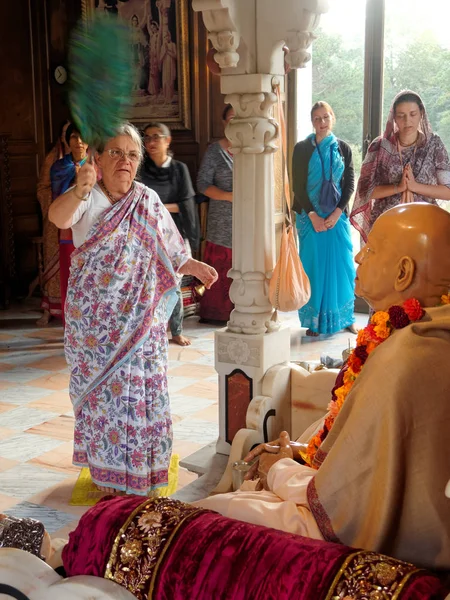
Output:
(380, 327)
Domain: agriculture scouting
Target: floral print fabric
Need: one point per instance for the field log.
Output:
(121, 289)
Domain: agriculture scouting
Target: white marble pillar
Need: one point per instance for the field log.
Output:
(249, 36)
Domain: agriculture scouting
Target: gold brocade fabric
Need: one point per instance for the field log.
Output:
(370, 576)
(142, 542)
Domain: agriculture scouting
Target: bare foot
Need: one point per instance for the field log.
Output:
(352, 328)
(181, 340)
(311, 333)
(44, 320)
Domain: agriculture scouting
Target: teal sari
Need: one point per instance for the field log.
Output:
(327, 257)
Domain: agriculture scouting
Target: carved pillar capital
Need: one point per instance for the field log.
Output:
(253, 130)
(226, 44)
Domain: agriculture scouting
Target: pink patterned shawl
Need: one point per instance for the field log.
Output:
(119, 277)
(383, 165)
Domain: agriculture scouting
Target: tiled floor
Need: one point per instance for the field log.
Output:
(36, 418)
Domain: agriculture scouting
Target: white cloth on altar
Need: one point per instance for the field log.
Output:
(285, 507)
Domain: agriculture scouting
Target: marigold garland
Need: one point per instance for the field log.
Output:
(380, 327)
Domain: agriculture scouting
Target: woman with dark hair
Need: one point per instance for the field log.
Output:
(62, 175)
(324, 231)
(408, 163)
(215, 180)
(51, 292)
(170, 179)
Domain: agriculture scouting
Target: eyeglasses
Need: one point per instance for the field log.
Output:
(324, 119)
(118, 154)
(155, 137)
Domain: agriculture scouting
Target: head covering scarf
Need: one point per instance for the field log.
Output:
(382, 158)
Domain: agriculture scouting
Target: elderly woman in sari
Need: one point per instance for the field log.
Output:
(408, 163)
(121, 290)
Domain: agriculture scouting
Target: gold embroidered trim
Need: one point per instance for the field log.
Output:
(371, 576)
(142, 542)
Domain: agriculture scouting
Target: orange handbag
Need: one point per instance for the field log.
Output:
(289, 287)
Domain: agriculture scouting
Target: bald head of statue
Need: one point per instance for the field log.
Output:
(407, 255)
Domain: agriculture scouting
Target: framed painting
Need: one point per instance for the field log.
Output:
(160, 54)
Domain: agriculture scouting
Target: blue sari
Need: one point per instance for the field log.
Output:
(327, 257)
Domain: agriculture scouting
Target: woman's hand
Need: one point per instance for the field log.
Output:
(206, 274)
(317, 222)
(403, 185)
(86, 179)
(409, 178)
(333, 218)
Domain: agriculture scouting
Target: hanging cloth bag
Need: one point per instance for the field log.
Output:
(329, 194)
(289, 287)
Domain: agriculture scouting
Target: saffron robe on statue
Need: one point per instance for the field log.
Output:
(384, 464)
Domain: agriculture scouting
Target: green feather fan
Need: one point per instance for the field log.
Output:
(101, 77)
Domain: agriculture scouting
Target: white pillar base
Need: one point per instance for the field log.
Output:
(241, 362)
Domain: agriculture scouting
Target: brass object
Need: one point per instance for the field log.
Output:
(200, 290)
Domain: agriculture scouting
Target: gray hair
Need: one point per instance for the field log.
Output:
(132, 132)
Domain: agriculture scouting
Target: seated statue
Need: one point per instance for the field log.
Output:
(377, 469)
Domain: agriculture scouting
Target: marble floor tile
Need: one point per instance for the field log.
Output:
(26, 480)
(60, 428)
(51, 518)
(7, 463)
(202, 389)
(21, 358)
(4, 385)
(6, 366)
(6, 433)
(186, 406)
(188, 354)
(51, 363)
(5, 407)
(196, 430)
(23, 375)
(54, 381)
(57, 402)
(63, 533)
(58, 459)
(4, 337)
(184, 448)
(208, 414)
(177, 383)
(185, 477)
(206, 359)
(193, 371)
(55, 333)
(24, 447)
(20, 395)
(7, 502)
(23, 417)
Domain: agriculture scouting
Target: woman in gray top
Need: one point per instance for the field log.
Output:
(215, 180)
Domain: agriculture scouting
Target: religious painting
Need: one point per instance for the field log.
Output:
(160, 55)
(238, 395)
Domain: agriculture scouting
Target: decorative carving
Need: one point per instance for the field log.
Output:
(238, 351)
(298, 42)
(253, 130)
(226, 44)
